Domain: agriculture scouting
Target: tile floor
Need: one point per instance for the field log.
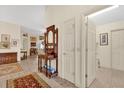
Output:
(105, 78)
(108, 78)
(31, 65)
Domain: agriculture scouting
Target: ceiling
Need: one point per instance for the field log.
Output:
(31, 16)
(116, 14)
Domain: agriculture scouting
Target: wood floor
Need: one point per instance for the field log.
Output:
(30, 65)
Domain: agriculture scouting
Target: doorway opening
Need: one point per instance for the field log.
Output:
(104, 66)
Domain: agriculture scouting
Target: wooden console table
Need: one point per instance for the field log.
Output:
(6, 58)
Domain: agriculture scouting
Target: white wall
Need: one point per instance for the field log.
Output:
(58, 19)
(104, 52)
(14, 31)
(58, 15)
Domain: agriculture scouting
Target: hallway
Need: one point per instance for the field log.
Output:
(108, 78)
(29, 66)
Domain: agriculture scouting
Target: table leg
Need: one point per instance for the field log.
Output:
(38, 64)
(41, 64)
(46, 66)
(50, 67)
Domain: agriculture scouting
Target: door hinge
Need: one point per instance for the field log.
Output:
(86, 75)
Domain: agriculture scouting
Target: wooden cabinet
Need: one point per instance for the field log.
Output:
(6, 58)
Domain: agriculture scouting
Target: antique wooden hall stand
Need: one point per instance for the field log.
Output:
(51, 52)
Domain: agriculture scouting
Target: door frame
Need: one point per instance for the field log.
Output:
(63, 76)
(86, 51)
(83, 48)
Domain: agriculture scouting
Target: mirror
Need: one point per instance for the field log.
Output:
(50, 37)
(55, 38)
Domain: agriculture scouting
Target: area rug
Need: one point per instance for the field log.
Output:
(28, 81)
(9, 69)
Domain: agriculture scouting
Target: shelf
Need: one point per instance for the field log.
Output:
(49, 74)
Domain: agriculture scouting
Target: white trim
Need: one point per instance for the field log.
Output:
(86, 52)
(117, 30)
(83, 51)
(79, 25)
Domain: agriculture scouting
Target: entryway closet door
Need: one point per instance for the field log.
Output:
(68, 50)
(118, 58)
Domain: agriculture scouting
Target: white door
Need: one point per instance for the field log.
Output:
(118, 50)
(117, 59)
(91, 58)
(68, 50)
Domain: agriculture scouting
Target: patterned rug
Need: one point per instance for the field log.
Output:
(27, 81)
(9, 68)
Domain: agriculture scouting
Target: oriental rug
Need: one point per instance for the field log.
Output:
(28, 81)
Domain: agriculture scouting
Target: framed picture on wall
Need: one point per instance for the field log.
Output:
(4, 45)
(103, 39)
(5, 38)
(33, 39)
(41, 37)
(14, 42)
(33, 44)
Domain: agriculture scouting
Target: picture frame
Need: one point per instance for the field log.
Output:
(33, 44)
(33, 39)
(4, 45)
(103, 39)
(5, 38)
(41, 37)
(25, 35)
(14, 42)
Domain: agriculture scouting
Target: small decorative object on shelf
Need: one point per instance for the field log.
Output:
(51, 53)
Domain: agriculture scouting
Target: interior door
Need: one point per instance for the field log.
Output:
(68, 50)
(118, 58)
(118, 50)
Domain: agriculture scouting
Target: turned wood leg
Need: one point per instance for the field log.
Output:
(57, 65)
(38, 64)
(41, 64)
(50, 67)
(46, 66)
